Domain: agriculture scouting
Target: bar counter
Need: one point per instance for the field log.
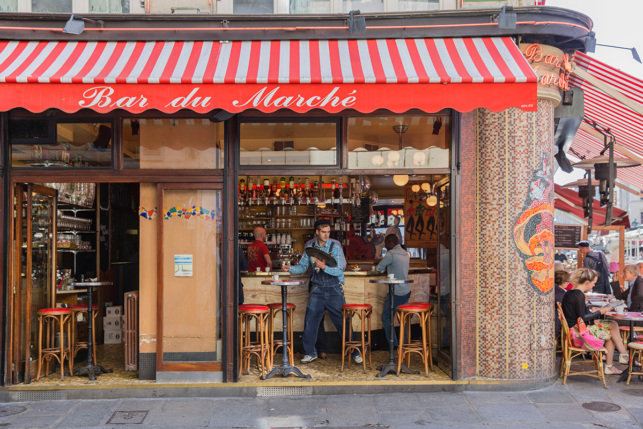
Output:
(357, 289)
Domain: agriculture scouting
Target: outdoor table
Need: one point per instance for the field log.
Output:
(91, 369)
(391, 365)
(285, 368)
(630, 317)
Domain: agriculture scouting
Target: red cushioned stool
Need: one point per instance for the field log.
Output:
(405, 313)
(276, 310)
(260, 346)
(47, 319)
(363, 344)
(77, 345)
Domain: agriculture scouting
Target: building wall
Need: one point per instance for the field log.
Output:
(227, 6)
(506, 252)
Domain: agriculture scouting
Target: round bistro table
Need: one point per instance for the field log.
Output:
(626, 317)
(391, 365)
(285, 368)
(91, 369)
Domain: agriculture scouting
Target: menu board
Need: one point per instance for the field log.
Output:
(566, 236)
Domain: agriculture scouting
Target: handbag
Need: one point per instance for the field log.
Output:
(590, 342)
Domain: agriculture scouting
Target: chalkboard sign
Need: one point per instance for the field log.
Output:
(566, 236)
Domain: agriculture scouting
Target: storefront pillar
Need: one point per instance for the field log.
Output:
(506, 251)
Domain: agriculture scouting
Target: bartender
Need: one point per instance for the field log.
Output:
(326, 290)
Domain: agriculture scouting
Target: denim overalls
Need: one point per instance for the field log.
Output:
(326, 293)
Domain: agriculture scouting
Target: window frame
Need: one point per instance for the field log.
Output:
(290, 119)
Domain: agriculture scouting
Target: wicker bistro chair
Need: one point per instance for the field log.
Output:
(570, 353)
(625, 332)
(257, 315)
(635, 348)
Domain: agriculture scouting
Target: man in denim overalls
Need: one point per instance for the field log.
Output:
(326, 291)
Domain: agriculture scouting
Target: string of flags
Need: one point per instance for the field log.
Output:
(180, 212)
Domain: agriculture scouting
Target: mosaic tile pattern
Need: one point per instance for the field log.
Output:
(466, 232)
(514, 323)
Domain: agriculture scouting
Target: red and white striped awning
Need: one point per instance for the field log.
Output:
(624, 122)
(429, 74)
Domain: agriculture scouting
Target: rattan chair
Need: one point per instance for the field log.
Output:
(570, 353)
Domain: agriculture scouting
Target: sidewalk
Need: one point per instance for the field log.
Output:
(555, 407)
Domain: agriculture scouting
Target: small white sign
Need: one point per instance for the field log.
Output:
(183, 265)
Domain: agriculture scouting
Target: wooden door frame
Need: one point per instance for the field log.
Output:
(15, 267)
(181, 366)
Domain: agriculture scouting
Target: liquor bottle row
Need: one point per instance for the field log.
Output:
(289, 192)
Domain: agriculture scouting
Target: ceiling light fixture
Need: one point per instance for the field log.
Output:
(401, 179)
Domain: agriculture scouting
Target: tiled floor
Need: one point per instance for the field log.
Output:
(328, 370)
(111, 356)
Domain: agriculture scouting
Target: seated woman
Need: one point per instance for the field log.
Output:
(574, 307)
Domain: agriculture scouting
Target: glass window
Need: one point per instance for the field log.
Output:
(294, 143)
(364, 6)
(108, 6)
(76, 145)
(173, 143)
(253, 6)
(8, 5)
(417, 5)
(309, 6)
(51, 6)
(399, 142)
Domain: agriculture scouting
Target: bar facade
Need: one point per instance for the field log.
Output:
(170, 149)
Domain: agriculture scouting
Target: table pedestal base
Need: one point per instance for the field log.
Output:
(285, 370)
(392, 367)
(92, 371)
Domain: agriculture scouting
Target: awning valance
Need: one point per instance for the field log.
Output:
(334, 75)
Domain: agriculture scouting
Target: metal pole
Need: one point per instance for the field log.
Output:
(610, 183)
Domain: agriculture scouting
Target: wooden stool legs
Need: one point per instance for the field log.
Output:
(407, 346)
(47, 320)
(260, 348)
(276, 310)
(363, 344)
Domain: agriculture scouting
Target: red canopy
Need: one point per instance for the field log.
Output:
(568, 201)
(301, 75)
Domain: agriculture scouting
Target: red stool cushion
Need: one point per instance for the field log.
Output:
(253, 307)
(54, 311)
(358, 306)
(278, 305)
(415, 306)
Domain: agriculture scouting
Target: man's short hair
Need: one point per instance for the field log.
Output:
(632, 269)
(392, 239)
(583, 244)
(321, 223)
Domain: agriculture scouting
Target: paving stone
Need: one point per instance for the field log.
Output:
(396, 418)
(510, 412)
(455, 413)
(497, 398)
(637, 413)
(439, 399)
(350, 415)
(551, 397)
(32, 421)
(88, 413)
(47, 408)
(566, 413)
(398, 401)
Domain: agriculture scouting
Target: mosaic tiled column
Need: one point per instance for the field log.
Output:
(506, 250)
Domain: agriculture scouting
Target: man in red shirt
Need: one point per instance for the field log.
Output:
(258, 253)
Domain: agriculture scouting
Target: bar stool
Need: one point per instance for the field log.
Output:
(363, 344)
(260, 347)
(79, 345)
(635, 348)
(407, 346)
(276, 310)
(47, 319)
